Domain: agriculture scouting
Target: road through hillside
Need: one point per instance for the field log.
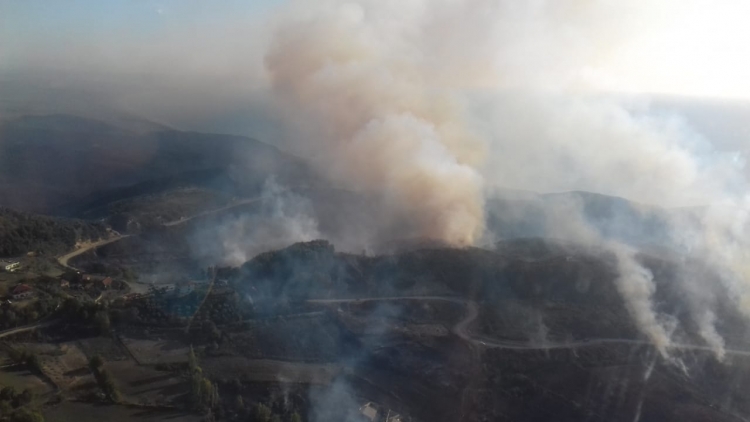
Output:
(63, 260)
(25, 328)
(461, 329)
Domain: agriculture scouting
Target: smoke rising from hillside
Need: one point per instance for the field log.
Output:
(368, 108)
(430, 104)
(384, 97)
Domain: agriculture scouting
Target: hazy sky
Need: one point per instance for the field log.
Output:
(690, 47)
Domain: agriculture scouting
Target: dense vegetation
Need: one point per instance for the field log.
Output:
(22, 232)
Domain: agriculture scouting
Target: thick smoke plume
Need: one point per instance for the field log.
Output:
(384, 96)
(431, 105)
(369, 107)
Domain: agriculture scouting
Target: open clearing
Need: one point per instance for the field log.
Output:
(20, 378)
(151, 352)
(264, 370)
(85, 412)
(145, 385)
(66, 366)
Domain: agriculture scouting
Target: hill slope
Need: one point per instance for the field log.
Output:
(22, 232)
(59, 162)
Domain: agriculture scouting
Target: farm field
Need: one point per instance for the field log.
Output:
(145, 385)
(151, 352)
(264, 370)
(85, 412)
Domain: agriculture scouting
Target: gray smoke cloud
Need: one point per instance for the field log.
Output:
(434, 104)
(282, 217)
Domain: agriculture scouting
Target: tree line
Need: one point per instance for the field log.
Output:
(23, 232)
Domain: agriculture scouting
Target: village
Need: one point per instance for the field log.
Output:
(62, 318)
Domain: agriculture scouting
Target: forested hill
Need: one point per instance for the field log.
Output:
(23, 232)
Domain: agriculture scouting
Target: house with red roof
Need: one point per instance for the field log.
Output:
(22, 291)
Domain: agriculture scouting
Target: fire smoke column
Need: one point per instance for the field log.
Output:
(373, 115)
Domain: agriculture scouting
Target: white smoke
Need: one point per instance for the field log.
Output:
(282, 218)
(427, 103)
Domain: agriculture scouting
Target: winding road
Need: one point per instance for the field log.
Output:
(210, 212)
(461, 329)
(63, 260)
(25, 328)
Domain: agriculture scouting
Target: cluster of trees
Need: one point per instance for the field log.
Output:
(17, 407)
(25, 357)
(204, 398)
(22, 232)
(259, 412)
(14, 316)
(104, 379)
(203, 393)
(89, 313)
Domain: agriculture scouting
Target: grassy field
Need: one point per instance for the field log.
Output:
(145, 385)
(151, 352)
(67, 367)
(264, 370)
(21, 378)
(85, 412)
(104, 347)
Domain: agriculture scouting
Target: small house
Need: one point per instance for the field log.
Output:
(369, 411)
(106, 283)
(10, 266)
(22, 291)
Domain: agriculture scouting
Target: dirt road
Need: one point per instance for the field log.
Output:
(210, 212)
(25, 328)
(63, 260)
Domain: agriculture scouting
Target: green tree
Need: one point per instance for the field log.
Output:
(26, 415)
(32, 361)
(262, 413)
(5, 407)
(192, 361)
(295, 417)
(8, 393)
(96, 362)
(25, 397)
(102, 322)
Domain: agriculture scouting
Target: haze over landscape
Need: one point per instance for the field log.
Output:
(375, 210)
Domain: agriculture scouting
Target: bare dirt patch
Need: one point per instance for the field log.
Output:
(86, 412)
(65, 364)
(264, 370)
(145, 385)
(151, 352)
(21, 378)
(105, 347)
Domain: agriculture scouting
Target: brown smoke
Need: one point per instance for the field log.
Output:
(371, 104)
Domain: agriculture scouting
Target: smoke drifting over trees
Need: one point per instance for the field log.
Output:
(431, 105)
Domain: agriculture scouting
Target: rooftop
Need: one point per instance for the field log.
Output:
(22, 288)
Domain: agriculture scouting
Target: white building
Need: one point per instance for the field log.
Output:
(22, 291)
(369, 411)
(10, 266)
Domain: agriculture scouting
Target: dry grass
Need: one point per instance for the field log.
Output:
(145, 385)
(264, 370)
(67, 367)
(85, 412)
(151, 352)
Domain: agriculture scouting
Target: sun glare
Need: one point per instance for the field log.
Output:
(702, 51)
